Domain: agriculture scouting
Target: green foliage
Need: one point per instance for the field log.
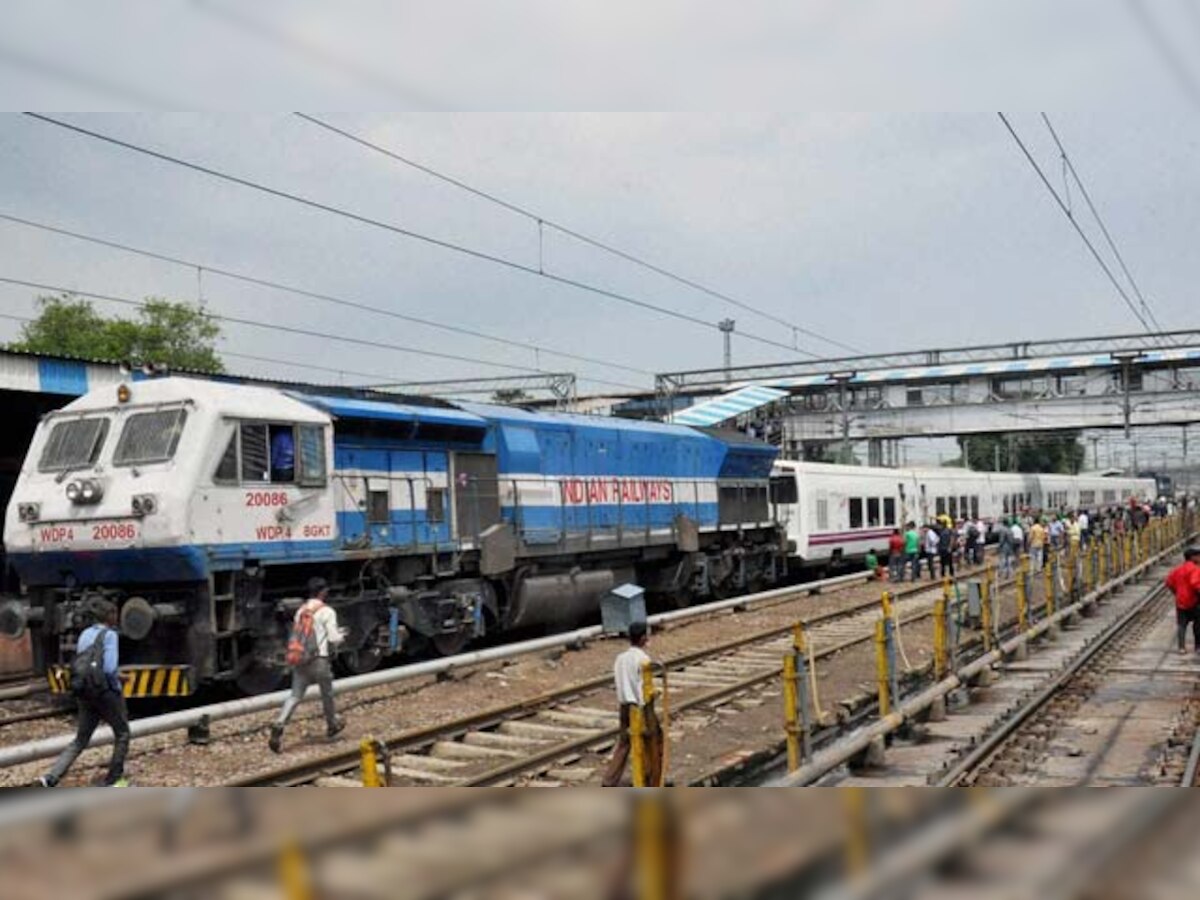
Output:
(177, 335)
(1052, 453)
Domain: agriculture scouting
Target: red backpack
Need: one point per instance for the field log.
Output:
(302, 646)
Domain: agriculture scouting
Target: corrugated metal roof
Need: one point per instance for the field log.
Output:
(381, 410)
(728, 406)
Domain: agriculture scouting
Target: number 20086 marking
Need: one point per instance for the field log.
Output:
(266, 498)
(116, 531)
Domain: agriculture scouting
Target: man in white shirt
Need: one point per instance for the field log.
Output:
(1084, 526)
(312, 665)
(627, 674)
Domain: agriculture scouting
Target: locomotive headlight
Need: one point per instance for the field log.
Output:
(85, 491)
(29, 512)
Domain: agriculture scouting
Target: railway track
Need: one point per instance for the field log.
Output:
(562, 737)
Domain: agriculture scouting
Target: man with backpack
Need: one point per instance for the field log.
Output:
(315, 632)
(97, 688)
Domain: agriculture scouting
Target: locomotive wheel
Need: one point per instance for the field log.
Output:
(361, 661)
(451, 644)
(260, 678)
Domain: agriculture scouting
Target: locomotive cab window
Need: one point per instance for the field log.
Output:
(74, 445)
(149, 438)
(260, 453)
(784, 490)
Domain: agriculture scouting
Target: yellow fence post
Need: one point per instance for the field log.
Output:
(637, 745)
(1048, 580)
(367, 749)
(886, 602)
(985, 613)
(791, 711)
(881, 667)
(858, 832)
(294, 875)
(1070, 579)
(1022, 596)
(941, 650)
(654, 850)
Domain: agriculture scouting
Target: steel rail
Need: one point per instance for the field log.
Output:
(987, 749)
(1193, 764)
(908, 709)
(20, 754)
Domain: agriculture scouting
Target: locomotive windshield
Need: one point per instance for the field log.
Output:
(150, 437)
(74, 445)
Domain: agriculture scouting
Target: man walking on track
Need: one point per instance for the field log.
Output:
(627, 672)
(1184, 581)
(97, 686)
(315, 632)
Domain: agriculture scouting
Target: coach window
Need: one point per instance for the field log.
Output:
(954, 507)
(889, 511)
(873, 512)
(940, 506)
(856, 513)
(974, 507)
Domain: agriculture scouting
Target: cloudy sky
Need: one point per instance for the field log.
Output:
(883, 230)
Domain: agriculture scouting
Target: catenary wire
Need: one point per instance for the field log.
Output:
(315, 295)
(1183, 75)
(236, 18)
(1074, 224)
(569, 232)
(289, 329)
(470, 252)
(1100, 221)
(299, 364)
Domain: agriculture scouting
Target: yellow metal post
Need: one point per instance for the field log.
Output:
(1048, 581)
(858, 832)
(888, 609)
(881, 668)
(791, 711)
(985, 613)
(637, 745)
(370, 763)
(1070, 580)
(1022, 597)
(653, 850)
(294, 875)
(941, 640)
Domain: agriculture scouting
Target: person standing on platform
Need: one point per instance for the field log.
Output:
(1005, 547)
(627, 674)
(912, 551)
(1037, 545)
(933, 541)
(1184, 582)
(896, 557)
(947, 537)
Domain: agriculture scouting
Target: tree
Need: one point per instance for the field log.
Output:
(1058, 452)
(176, 335)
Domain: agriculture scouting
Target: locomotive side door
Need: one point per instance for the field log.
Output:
(476, 495)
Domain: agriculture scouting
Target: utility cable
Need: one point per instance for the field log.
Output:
(314, 295)
(1074, 224)
(1067, 161)
(288, 329)
(542, 221)
(470, 252)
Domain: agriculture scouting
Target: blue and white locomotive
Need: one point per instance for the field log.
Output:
(203, 508)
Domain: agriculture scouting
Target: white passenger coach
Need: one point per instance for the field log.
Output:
(835, 513)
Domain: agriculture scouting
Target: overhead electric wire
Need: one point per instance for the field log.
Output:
(1183, 75)
(328, 58)
(1074, 224)
(510, 264)
(541, 220)
(1112, 245)
(316, 295)
(290, 329)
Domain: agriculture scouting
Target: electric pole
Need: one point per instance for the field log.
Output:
(727, 326)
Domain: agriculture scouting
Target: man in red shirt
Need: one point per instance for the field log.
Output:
(896, 557)
(1184, 581)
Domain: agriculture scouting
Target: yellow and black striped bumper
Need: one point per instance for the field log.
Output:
(136, 681)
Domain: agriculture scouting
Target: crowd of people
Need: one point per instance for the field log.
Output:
(942, 544)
